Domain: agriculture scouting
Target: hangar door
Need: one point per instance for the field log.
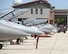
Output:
(60, 19)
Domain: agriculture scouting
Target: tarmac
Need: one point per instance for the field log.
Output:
(57, 44)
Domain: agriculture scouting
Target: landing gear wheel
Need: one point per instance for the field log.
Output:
(64, 31)
(1, 46)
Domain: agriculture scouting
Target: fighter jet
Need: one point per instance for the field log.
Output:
(10, 30)
(40, 24)
(47, 28)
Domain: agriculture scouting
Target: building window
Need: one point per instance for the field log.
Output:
(41, 11)
(36, 11)
(31, 11)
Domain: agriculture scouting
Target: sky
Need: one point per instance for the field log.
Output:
(59, 4)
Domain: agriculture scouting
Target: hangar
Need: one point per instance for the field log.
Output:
(41, 9)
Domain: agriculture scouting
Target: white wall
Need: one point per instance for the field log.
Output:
(27, 14)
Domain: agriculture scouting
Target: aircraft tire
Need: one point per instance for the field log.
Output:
(1, 46)
(64, 31)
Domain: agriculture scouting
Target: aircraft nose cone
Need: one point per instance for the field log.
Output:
(40, 32)
(35, 30)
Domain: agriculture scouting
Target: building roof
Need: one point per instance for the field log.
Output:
(25, 5)
(60, 10)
